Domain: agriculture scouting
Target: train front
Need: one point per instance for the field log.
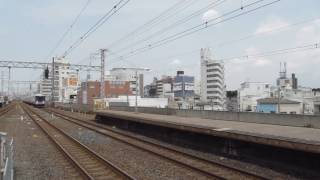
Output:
(39, 100)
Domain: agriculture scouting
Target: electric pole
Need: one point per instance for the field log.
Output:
(52, 83)
(9, 80)
(102, 83)
(2, 82)
(136, 98)
(279, 100)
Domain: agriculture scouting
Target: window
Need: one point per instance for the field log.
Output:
(213, 86)
(213, 70)
(213, 75)
(213, 64)
(212, 92)
(213, 81)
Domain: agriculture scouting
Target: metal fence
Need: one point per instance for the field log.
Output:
(6, 156)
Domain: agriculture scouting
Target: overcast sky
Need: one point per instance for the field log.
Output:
(30, 29)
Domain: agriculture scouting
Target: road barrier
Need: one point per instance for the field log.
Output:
(6, 157)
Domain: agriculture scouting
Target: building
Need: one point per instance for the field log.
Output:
(128, 74)
(141, 102)
(316, 100)
(288, 88)
(164, 87)
(232, 101)
(283, 82)
(150, 91)
(276, 105)
(65, 82)
(212, 81)
(250, 92)
(45, 86)
(90, 90)
(183, 85)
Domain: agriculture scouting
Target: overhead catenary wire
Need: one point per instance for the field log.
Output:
(169, 12)
(69, 28)
(176, 23)
(228, 42)
(295, 49)
(98, 24)
(200, 27)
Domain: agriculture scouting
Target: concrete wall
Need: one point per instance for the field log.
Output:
(75, 107)
(264, 118)
(289, 108)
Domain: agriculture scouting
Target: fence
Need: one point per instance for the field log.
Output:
(75, 107)
(6, 156)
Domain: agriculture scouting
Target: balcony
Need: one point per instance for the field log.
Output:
(214, 79)
(215, 69)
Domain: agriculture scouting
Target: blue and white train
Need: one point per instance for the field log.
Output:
(38, 100)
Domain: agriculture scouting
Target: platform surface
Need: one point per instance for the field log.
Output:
(302, 135)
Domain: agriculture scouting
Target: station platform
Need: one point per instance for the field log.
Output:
(295, 138)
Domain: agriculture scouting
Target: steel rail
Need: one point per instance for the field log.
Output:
(37, 119)
(81, 122)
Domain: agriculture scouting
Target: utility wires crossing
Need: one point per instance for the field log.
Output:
(98, 24)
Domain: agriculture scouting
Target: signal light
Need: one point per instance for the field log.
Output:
(46, 73)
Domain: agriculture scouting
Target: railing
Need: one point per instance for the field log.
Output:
(6, 158)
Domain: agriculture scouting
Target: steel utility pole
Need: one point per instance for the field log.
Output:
(102, 84)
(2, 79)
(279, 99)
(136, 104)
(52, 83)
(9, 80)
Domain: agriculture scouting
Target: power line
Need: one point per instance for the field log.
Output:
(200, 27)
(154, 21)
(69, 28)
(275, 52)
(177, 23)
(221, 44)
(291, 50)
(98, 24)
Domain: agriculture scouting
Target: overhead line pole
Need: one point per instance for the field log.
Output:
(2, 79)
(9, 80)
(52, 83)
(102, 83)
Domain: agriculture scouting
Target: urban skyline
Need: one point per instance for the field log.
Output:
(265, 26)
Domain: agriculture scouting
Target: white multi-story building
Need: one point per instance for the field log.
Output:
(45, 86)
(212, 81)
(250, 92)
(127, 74)
(65, 82)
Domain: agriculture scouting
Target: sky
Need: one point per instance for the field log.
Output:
(30, 30)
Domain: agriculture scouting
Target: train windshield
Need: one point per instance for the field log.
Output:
(40, 98)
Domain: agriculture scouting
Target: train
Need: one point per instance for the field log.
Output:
(37, 100)
(4, 100)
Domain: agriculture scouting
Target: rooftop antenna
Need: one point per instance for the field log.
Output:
(283, 70)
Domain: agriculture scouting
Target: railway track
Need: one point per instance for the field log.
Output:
(6, 109)
(209, 168)
(90, 164)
